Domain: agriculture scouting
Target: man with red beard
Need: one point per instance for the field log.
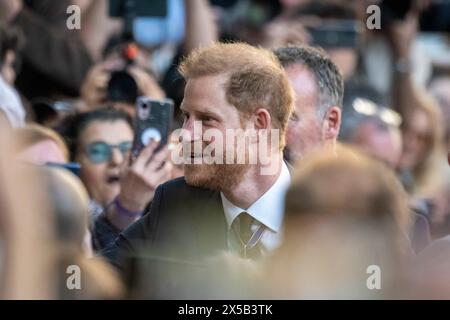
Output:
(224, 205)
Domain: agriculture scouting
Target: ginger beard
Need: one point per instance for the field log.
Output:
(219, 176)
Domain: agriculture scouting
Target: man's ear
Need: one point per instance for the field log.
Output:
(332, 123)
(262, 119)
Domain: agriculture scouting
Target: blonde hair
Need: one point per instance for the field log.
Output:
(428, 175)
(32, 134)
(366, 189)
(255, 79)
(343, 211)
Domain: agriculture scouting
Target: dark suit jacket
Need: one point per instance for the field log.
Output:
(184, 222)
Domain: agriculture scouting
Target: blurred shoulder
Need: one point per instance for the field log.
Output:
(437, 252)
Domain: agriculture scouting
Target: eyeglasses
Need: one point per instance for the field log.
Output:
(98, 152)
(369, 108)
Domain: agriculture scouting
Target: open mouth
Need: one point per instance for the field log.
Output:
(113, 179)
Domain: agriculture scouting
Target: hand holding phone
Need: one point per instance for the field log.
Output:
(148, 162)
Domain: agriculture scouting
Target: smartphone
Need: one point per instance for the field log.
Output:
(336, 34)
(395, 9)
(153, 122)
(140, 8)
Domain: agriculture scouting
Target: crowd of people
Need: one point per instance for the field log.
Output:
(356, 204)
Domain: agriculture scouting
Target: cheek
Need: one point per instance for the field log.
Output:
(93, 175)
(313, 130)
(303, 131)
(293, 132)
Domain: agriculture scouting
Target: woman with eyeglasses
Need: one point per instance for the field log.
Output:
(100, 141)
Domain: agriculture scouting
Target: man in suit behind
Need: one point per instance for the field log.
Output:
(220, 205)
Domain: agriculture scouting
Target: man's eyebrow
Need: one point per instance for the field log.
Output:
(206, 113)
(201, 112)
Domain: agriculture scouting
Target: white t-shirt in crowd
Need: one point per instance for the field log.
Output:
(11, 104)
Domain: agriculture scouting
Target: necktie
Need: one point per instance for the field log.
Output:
(247, 240)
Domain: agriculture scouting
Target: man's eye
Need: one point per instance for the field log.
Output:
(208, 120)
(294, 117)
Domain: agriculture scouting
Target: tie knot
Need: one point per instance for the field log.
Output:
(242, 225)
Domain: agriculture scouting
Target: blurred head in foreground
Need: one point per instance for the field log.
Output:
(346, 218)
(43, 229)
(38, 145)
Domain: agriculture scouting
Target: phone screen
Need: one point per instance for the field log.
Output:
(141, 8)
(336, 34)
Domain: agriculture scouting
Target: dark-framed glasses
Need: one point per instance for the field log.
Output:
(99, 151)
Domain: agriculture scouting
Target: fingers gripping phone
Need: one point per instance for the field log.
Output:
(153, 121)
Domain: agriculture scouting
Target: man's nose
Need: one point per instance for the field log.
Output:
(191, 131)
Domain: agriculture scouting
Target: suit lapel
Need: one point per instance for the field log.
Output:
(210, 224)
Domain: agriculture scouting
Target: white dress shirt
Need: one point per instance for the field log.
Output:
(268, 210)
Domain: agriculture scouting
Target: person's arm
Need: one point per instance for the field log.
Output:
(201, 28)
(138, 186)
(97, 27)
(401, 35)
(403, 89)
(9, 9)
(138, 234)
(55, 51)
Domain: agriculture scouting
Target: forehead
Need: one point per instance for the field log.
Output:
(301, 78)
(206, 93)
(42, 152)
(107, 131)
(304, 84)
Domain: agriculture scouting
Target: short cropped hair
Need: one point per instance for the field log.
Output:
(255, 79)
(75, 125)
(330, 85)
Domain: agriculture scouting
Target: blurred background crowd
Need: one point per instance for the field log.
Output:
(67, 101)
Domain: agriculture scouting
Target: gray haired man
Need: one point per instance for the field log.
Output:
(319, 90)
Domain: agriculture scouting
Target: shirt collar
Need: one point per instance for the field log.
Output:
(269, 208)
